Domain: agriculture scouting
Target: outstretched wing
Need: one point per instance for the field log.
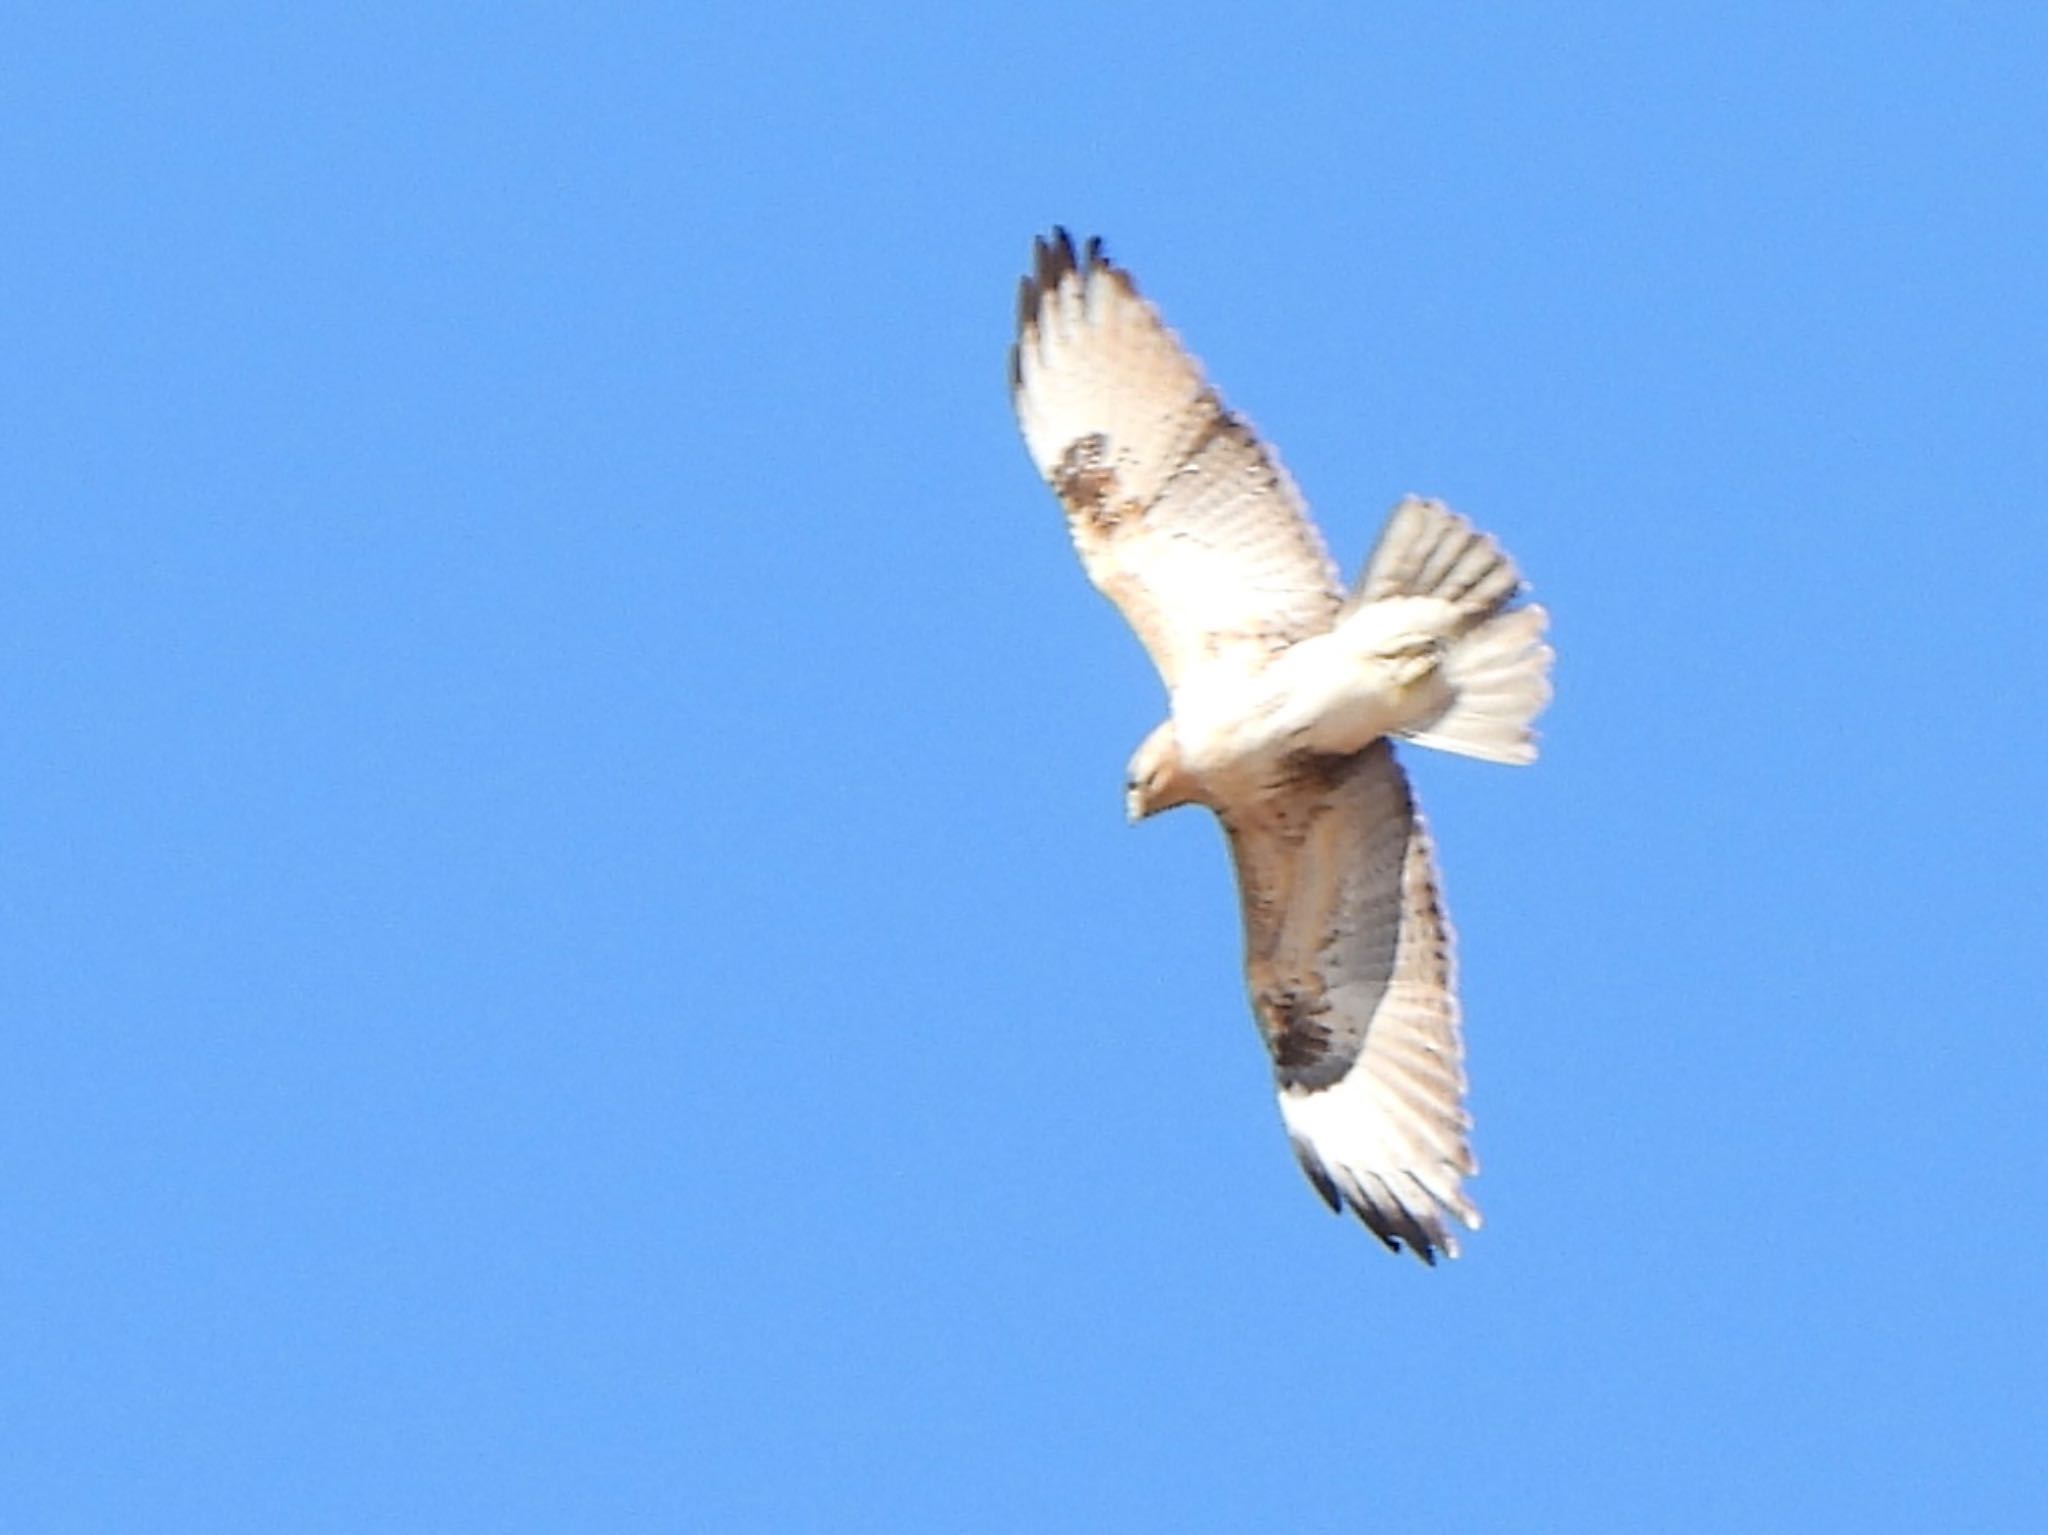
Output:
(1182, 517)
(1349, 959)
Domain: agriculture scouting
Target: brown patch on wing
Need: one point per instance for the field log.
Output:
(1292, 1023)
(1087, 486)
(1316, 774)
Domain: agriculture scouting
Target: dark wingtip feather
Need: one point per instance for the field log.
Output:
(1053, 259)
(1398, 1228)
(1390, 1219)
(1387, 1238)
(1319, 1178)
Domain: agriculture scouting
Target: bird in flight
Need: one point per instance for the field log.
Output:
(1286, 692)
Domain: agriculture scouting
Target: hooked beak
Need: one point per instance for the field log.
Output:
(1133, 811)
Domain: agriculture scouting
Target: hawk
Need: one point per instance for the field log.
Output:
(1286, 692)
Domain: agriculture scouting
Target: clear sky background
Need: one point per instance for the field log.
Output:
(571, 955)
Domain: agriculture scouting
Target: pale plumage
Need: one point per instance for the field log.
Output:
(1284, 690)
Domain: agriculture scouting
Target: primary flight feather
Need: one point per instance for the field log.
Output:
(1285, 690)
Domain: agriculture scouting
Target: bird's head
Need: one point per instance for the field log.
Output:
(1154, 781)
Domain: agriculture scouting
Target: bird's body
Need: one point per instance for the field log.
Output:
(1330, 695)
(1284, 691)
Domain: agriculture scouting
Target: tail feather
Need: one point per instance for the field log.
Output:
(1499, 675)
(1428, 550)
(1496, 665)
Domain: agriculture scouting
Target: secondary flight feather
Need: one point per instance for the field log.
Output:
(1284, 693)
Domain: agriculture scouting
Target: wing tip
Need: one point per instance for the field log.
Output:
(1054, 258)
(1420, 1224)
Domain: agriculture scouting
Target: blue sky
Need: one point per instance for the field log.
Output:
(572, 959)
